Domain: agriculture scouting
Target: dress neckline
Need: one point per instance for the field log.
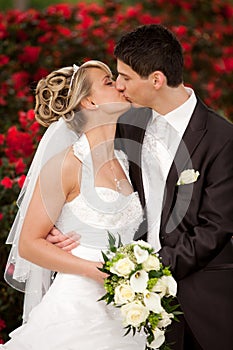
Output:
(134, 193)
(82, 150)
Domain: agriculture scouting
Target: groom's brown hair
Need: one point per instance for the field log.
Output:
(149, 48)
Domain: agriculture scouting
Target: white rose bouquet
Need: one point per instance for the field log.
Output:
(142, 288)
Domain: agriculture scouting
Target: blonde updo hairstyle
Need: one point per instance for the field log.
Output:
(55, 98)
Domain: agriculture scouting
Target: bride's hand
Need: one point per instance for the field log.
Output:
(95, 273)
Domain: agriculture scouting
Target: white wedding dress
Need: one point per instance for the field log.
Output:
(70, 317)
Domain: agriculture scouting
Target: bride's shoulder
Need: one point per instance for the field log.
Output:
(70, 161)
(65, 164)
(71, 172)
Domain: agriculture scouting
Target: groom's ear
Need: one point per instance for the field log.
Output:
(158, 79)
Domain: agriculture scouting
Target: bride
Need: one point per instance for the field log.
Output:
(78, 183)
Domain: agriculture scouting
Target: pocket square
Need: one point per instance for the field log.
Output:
(187, 177)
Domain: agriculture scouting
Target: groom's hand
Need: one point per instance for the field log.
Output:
(65, 242)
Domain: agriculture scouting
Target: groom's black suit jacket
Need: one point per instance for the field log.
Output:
(197, 219)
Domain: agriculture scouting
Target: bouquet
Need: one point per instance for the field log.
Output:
(142, 288)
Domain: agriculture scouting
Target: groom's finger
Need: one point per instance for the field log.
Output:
(70, 247)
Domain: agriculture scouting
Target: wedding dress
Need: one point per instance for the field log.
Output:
(70, 317)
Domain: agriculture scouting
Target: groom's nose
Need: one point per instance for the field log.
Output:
(119, 84)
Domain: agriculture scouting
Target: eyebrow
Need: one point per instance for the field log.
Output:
(107, 76)
(123, 74)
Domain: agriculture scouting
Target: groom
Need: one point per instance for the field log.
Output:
(184, 176)
(194, 229)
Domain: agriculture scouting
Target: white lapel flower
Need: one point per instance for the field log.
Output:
(187, 177)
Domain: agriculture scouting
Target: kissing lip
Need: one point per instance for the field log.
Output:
(127, 98)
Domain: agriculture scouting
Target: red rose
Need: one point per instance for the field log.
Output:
(19, 144)
(4, 60)
(63, 31)
(2, 138)
(61, 9)
(30, 54)
(133, 12)
(21, 180)
(3, 31)
(110, 46)
(20, 79)
(98, 32)
(20, 166)
(6, 182)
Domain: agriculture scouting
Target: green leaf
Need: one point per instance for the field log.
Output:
(104, 297)
(155, 274)
(128, 330)
(111, 240)
(110, 299)
(120, 244)
(105, 257)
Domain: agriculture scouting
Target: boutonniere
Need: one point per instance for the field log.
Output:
(187, 177)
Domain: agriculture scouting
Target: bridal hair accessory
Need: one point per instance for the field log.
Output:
(75, 69)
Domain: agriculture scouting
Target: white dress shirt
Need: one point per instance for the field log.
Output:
(162, 138)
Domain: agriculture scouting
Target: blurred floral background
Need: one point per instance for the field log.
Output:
(39, 39)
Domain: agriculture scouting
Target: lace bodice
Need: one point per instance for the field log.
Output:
(97, 210)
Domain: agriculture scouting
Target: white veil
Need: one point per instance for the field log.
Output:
(20, 273)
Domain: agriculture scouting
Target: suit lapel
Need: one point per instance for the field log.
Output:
(183, 158)
(136, 155)
(129, 137)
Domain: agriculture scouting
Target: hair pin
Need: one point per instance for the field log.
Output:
(75, 69)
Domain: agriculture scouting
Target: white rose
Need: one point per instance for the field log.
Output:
(123, 293)
(160, 288)
(166, 285)
(123, 267)
(153, 302)
(134, 314)
(159, 339)
(138, 281)
(141, 255)
(166, 319)
(152, 263)
(188, 176)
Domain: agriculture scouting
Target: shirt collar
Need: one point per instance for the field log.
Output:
(180, 117)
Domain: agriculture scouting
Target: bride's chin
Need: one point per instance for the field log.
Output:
(116, 108)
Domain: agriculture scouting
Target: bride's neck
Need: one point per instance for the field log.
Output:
(101, 142)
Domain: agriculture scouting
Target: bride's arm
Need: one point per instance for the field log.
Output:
(46, 204)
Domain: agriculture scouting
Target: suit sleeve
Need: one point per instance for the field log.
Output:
(198, 246)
